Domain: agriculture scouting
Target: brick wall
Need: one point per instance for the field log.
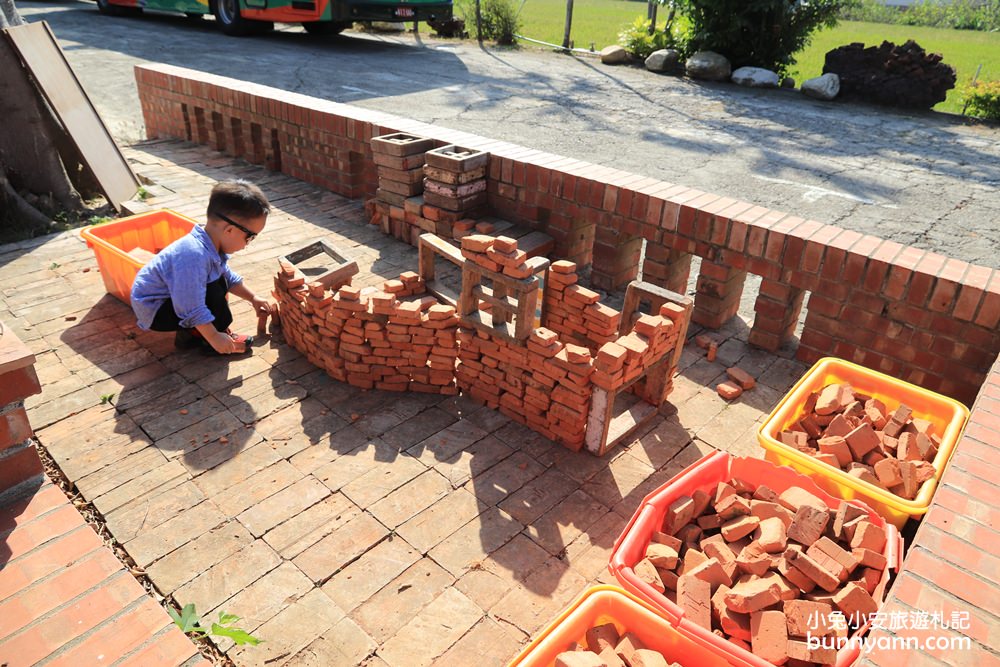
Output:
(398, 339)
(953, 566)
(20, 467)
(913, 314)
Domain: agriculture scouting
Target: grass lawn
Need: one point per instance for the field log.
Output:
(600, 21)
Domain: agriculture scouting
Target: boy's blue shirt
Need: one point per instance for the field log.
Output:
(181, 272)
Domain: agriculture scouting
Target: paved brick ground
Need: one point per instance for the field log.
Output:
(345, 527)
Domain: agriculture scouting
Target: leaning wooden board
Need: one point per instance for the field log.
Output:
(37, 47)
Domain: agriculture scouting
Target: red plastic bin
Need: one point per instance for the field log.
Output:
(609, 604)
(705, 474)
(112, 241)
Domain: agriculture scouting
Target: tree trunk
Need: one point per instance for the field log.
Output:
(30, 138)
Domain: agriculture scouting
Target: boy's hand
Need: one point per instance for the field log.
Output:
(223, 343)
(261, 306)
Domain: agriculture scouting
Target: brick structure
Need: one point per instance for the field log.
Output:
(64, 596)
(919, 316)
(559, 379)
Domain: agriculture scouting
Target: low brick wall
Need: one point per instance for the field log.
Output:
(913, 314)
(399, 339)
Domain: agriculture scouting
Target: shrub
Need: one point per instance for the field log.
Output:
(501, 22)
(982, 99)
(637, 40)
(759, 33)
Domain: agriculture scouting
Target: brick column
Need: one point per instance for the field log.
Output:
(20, 466)
(777, 307)
(717, 295)
(667, 268)
(615, 260)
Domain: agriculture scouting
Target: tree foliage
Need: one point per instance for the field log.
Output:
(757, 33)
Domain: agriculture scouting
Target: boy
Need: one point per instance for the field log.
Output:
(184, 287)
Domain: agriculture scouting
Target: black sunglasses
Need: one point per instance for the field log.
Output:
(250, 235)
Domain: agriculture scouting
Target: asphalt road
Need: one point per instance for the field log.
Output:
(921, 179)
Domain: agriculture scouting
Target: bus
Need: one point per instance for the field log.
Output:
(324, 17)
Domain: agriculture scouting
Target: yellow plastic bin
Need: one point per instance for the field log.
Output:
(947, 415)
(609, 604)
(112, 242)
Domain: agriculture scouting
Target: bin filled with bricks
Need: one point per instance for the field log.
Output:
(766, 570)
(881, 444)
(604, 647)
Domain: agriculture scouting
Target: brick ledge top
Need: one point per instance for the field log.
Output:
(14, 354)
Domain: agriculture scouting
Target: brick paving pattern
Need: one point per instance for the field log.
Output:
(345, 526)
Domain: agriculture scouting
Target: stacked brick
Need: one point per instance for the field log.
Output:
(498, 254)
(575, 312)
(652, 339)
(544, 384)
(373, 339)
(455, 179)
(851, 431)
(767, 570)
(400, 162)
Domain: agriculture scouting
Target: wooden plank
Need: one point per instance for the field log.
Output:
(37, 47)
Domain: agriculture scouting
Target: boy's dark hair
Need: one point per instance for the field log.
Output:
(238, 197)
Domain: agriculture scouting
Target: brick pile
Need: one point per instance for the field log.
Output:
(544, 384)
(498, 254)
(604, 646)
(860, 435)
(766, 569)
(653, 338)
(575, 312)
(400, 162)
(392, 339)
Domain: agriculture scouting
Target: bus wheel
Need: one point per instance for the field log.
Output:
(227, 14)
(326, 27)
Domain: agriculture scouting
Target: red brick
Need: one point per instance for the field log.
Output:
(52, 557)
(47, 498)
(169, 648)
(769, 636)
(93, 609)
(729, 390)
(117, 639)
(14, 428)
(18, 465)
(18, 384)
(694, 596)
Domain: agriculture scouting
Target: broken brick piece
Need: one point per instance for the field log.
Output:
(678, 514)
(868, 536)
(646, 572)
(601, 637)
(578, 659)
(771, 535)
(805, 617)
(855, 602)
(833, 398)
(862, 440)
(806, 652)
(809, 567)
(795, 497)
(738, 527)
(836, 445)
(662, 556)
(694, 596)
(749, 595)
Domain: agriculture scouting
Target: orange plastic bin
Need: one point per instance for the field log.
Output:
(609, 604)
(111, 242)
(946, 414)
(706, 474)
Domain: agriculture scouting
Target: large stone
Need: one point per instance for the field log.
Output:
(823, 87)
(614, 55)
(755, 77)
(709, 66)
(662, 60)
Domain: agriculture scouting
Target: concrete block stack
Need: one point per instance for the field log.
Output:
(399, 159)
(766, 570)
(454, 186)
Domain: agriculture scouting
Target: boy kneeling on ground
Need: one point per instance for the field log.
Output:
(184, 287)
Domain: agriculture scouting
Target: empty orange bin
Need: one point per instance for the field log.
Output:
(609, 604)
(947, 415)
(112, 242)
